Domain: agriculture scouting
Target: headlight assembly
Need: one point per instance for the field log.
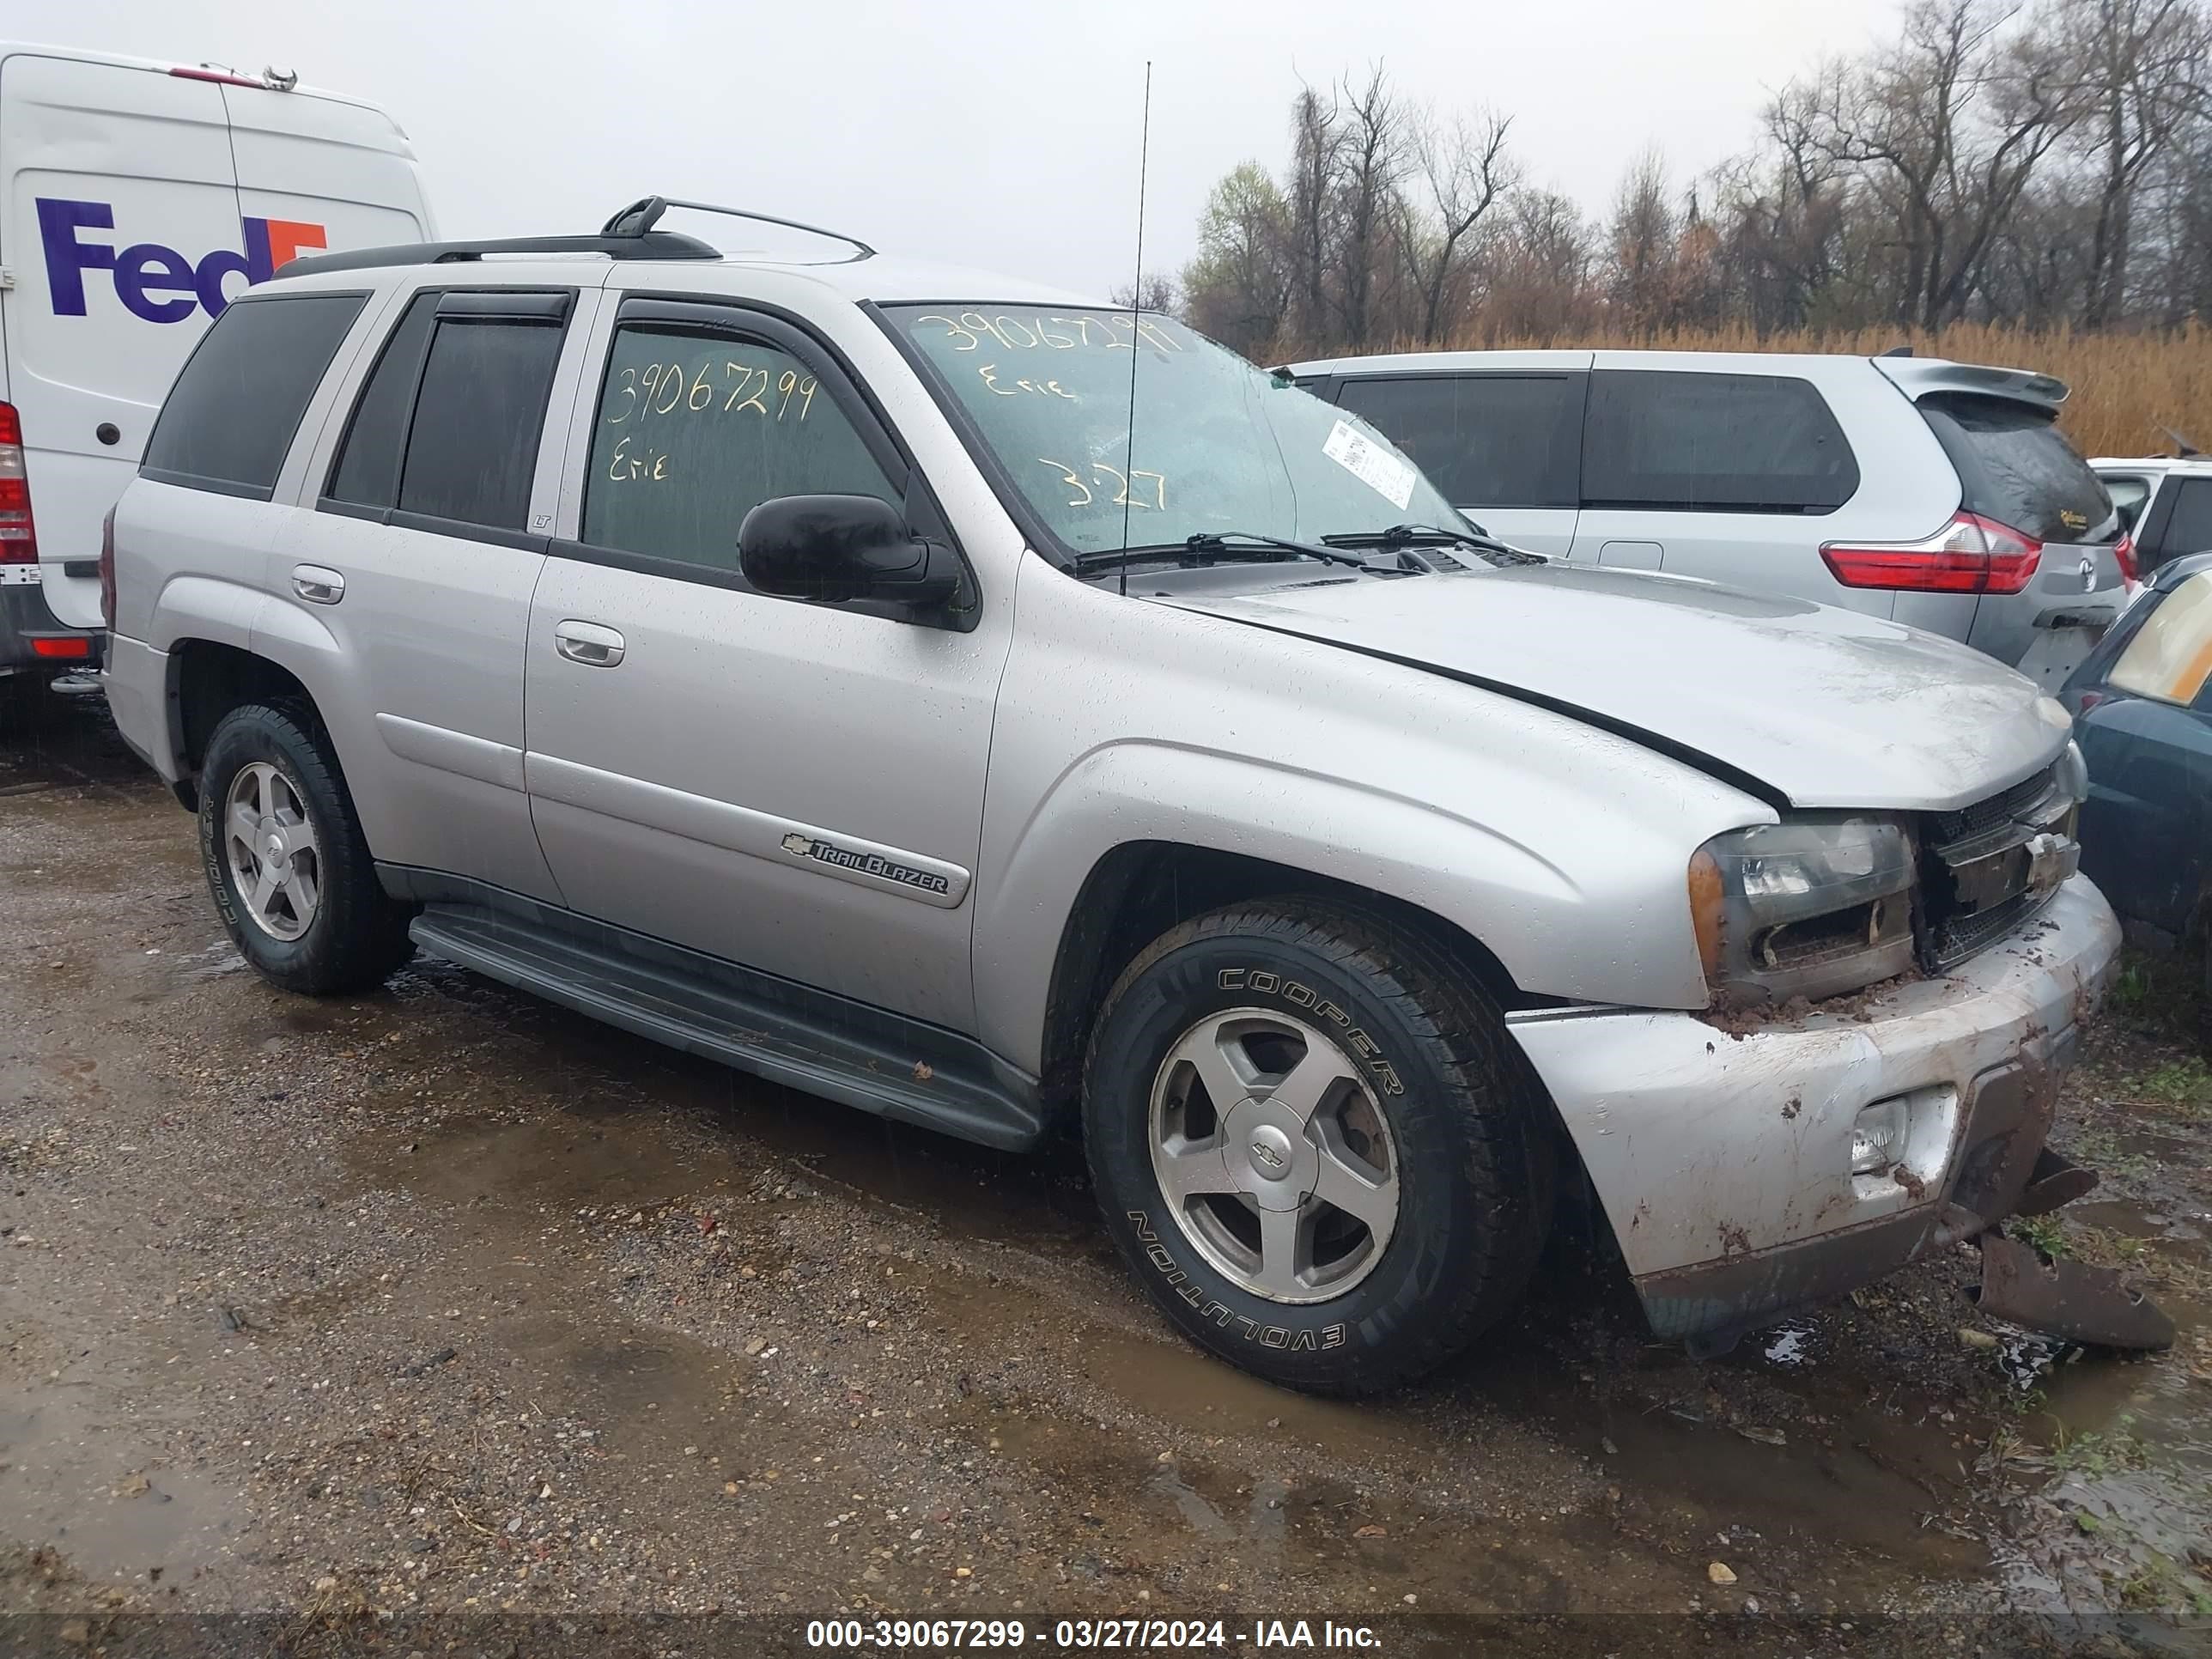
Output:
(2071, 775)
(1811, 907)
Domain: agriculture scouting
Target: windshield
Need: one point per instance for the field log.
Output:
(1220, 446)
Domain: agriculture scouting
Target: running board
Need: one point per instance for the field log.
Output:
(851, 1053)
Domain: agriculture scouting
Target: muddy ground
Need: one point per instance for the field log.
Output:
(441, 1321)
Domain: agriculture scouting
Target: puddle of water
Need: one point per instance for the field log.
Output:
(2129, 1443)
(73, 1473)
(1789, 1345)
(2176, 1230)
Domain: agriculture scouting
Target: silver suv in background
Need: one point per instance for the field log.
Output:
(1935, 494)
(806, 663)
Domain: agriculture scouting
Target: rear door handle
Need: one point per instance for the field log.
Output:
(588, 643)
(317, 585)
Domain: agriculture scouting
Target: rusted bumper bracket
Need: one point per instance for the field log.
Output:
(2070, 1299)
(2054, 1180)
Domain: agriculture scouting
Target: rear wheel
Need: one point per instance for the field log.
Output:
(1316, 1144)
(285, 858)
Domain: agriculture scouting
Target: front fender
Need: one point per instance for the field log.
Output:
(1563, 849)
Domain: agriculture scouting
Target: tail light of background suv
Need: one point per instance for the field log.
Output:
(1970, 555)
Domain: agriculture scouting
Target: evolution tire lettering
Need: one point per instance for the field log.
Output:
(867, 864)
(1303, 996)
(144, 271)
(1303, 1340)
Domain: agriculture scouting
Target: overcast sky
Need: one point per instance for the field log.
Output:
(988, 133)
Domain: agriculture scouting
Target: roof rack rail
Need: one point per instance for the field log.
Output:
(639, 218)
(651, 245)
(628, 235)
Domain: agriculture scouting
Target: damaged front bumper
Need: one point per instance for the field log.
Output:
(1724, 1162)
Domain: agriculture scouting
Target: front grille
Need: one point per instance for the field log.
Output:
(1972, 823)
(1975, 864)
(1964, 936)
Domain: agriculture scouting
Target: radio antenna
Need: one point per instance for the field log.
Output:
(1136, 317)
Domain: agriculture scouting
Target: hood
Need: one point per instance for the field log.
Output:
(1825, 708)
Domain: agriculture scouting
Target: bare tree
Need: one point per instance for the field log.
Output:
(2043, 160)
(2135, 73)
(1464, 168)
(1372, 159)
(1945, 129)
(1155, 290)
(1317, 163)
(1781, 210)
(1641, 251)
(1539, 275)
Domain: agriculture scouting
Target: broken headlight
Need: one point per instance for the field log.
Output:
(1811, 907)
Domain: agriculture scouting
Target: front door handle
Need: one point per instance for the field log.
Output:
(317, 585)
(588, 643)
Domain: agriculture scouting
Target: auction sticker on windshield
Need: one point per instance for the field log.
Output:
(1379, 471)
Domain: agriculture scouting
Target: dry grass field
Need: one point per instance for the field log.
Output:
(2126, 386)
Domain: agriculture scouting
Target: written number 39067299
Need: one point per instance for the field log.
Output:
(639, 395)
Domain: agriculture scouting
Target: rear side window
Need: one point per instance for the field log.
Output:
(230, 417)
(1713, 443)
(473, 445)
(2016, 467)
(447, 427)
(2129, 494)
(1484, 439)
(367, 470)
(2189, 529)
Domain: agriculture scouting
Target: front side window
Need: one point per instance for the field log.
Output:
(696, 428)
(229, 419)
(1484, 439)
(1713, 443)
(1218, 445)
(2170, 659)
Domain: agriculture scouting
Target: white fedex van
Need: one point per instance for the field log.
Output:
(135, 199)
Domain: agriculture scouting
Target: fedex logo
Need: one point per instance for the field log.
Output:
(156, 283)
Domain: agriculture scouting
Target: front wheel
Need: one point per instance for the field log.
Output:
(1316, 1145)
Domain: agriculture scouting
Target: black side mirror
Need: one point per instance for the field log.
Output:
(836, 548)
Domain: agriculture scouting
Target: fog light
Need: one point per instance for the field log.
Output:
(1878, 1137)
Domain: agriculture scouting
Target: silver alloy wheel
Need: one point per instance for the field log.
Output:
(1275, 1158)
(270, 846)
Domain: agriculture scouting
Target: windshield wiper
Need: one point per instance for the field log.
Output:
(1215, 547)
(1430, 535)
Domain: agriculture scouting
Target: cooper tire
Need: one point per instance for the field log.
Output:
(1470, 1148)
(342, 933)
